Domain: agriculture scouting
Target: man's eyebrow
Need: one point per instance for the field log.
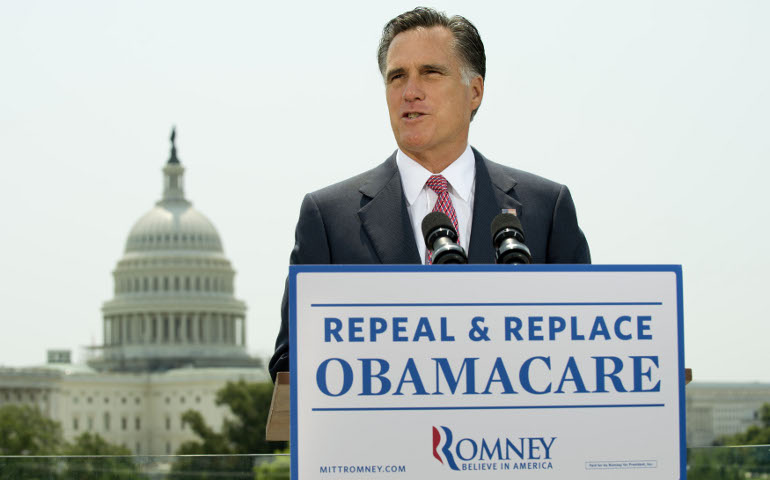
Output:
(438, 68)
(394, 71)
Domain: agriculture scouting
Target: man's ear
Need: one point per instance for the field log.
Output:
(477, 91)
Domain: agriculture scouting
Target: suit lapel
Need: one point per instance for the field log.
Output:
(385, 218)
(493, 192)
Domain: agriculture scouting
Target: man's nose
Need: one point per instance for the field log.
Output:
(413, 90)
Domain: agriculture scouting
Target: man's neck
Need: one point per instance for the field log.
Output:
(437, 161)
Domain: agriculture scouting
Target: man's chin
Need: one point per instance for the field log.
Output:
(414, 144)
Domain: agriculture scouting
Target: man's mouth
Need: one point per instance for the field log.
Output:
(413, 115)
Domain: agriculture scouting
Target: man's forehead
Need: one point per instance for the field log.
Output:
(421, 45)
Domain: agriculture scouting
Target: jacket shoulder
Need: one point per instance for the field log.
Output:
(508, 178)
(367, 183)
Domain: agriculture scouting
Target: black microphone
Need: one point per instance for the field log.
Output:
(508, 240)
(441, 239)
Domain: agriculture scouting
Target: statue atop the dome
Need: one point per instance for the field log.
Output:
(173, 158)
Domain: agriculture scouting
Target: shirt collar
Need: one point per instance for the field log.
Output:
(460, 174)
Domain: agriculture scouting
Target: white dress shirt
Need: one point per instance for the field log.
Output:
(461, 176)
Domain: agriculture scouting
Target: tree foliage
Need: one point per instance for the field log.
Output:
(250, 404)
(243, 432)
(24, 430)
(736, 463)
(116, 462)
(276, 468)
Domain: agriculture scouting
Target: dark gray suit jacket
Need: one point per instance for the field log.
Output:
(364, 220)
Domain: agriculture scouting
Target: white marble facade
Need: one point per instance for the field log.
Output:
(173, 334)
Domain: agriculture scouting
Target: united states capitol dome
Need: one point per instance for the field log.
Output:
(174, 301)
(174, 225)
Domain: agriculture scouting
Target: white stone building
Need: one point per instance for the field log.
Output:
(718, 409)
(174, 334)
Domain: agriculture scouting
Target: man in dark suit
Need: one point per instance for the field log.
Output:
(434, 68)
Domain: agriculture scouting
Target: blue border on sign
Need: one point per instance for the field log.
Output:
(295, 270)
(682, 409)
(293, 443)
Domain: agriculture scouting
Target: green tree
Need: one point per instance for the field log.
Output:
(115, 462)
(250, 404)
(277, 468)
(241, 433)
(44, 455)
(734, 463)
(24, 430)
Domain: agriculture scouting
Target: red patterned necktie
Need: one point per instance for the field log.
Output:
(438, 184)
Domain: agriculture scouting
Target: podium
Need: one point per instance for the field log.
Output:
(419, 371)
(279, 417)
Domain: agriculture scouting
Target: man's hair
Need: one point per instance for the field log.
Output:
(467, 41)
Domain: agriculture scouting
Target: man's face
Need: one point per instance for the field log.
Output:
(430, 106)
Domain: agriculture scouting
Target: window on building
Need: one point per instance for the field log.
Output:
(90, 423)
(137, 448)
(168, 400)
(176, 284)
(75, 400)
(165, 284)
(124, 423)
(75, 423)
(198, 399)
(106, 400)
(187, 283)
(168, 448)
(181, 400)
(107, 421)
(168, 423)
(137, 423)
(137, 400)
(89, 400)
(155, 284)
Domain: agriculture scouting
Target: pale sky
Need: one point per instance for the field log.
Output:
(656, 114)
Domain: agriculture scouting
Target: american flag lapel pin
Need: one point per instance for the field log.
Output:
(512, 211)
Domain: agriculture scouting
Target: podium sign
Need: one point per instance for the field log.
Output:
(541, 371)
